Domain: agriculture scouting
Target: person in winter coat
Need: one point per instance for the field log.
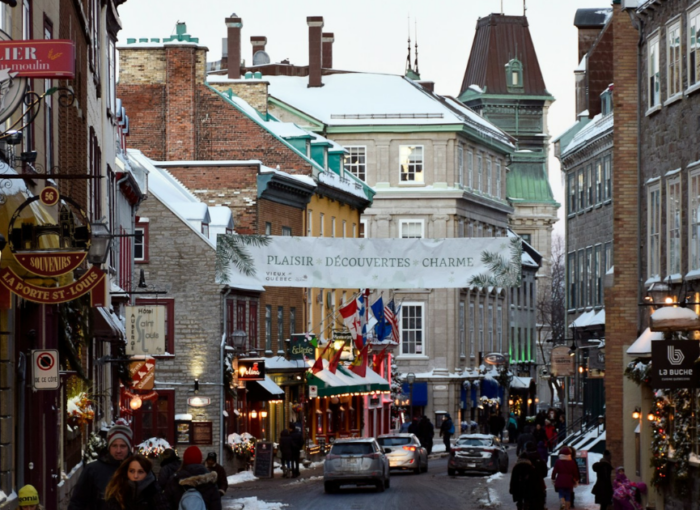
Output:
(540, 434)
(512, 429)
(541, 473)
(624, 492)
(169, 464)
(89, 491)
(447, 428)
(28, 498)
(221, 478)
(286, 448)
(134, 487)
(565, 476)
(543, 451)
(426, 432)
(193, 475)
(551, 434)
(603, 489)
(523, 438)
(413, 427)
(523, 483)
(297, 447)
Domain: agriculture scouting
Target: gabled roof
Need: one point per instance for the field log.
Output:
(497, 41)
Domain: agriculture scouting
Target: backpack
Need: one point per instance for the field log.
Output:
(452, 427)
(192, 500)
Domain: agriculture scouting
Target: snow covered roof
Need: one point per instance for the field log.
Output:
(598, 320)
(520, 382)
(599, 126)
(642, 346)
(281, 363)
(582, 320)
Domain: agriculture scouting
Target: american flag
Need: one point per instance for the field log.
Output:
(391, 318)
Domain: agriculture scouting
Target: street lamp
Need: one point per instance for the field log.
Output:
(100, 241)
(410, 379)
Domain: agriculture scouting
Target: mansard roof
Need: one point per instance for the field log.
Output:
(498, 40)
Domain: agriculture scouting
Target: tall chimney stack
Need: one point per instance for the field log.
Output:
(258, 42)
(234, 25)
(315, 50)
(327, 39)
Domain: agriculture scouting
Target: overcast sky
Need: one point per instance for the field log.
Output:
(370, 35)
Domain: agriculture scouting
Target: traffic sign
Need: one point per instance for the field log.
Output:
(45, 369)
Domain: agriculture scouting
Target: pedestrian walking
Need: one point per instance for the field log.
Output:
(413, 427)
(169, 465)
(543, 451)
(495, 425)
(573, 492)
(426, 432)
(28, 498)
(447, 428)
(539, 434)
(297, 446)
(134, 487)
(221, 478)
(512, 429)
(523, 438)
(541, 473)
(286, 448)
(551, 434)
(603, 489)
(565, 476)
(523, 486)
(89, 491)
(193, 483)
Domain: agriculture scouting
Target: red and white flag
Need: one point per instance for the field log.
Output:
(351, 318)
(390, 318)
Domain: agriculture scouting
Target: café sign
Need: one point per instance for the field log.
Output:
(300, 347)
(673, 364)
(562, 362)
(41, 58)
(251, 370)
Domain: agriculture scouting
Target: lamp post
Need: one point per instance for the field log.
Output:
(410, 379)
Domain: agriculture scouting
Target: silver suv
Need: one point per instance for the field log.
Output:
(358, 461)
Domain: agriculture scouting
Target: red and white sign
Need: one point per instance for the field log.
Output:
(40, 58)
(45, 369)
(143, 373)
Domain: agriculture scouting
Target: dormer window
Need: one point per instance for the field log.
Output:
(205, 229)
(606, 101)
(514, 75)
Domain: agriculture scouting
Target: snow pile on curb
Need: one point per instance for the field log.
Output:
(250, 504)
(243, 476)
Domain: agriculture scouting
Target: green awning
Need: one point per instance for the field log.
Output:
(346, 382)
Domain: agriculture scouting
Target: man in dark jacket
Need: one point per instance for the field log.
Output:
(426, 432)
(413, 427)
(297, 446)
(603, 489)
(539, 496)
(193, 475)
(89, 492)
(522, 483)
(169, 464)
(286, 450)
(447, 428)
(221, 478)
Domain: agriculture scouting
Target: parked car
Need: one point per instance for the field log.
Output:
(477, 452)
(406, 452)
(358, 461)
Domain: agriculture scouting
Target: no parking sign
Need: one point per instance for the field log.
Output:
(45, 369)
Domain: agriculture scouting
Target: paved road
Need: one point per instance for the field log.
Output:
(428, 491)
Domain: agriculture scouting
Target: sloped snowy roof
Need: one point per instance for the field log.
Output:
(582, 320)
(642, 345)
(596, 128)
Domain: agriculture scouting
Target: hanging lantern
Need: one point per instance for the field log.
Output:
(135, 402)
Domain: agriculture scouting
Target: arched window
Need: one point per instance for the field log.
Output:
(514, 75)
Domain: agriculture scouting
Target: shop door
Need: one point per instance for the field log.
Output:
(156, 418)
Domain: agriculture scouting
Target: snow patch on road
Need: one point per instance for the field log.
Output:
(493, 477)
(490, 501)
(305, 480)
(250, 504)
(243, 476)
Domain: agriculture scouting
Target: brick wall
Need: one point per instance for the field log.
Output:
(253, 92)
(599, 72)
(621, 298)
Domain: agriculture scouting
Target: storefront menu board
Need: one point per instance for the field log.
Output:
(582, 463)
(263, 459)
(182, 431)
(202, 432)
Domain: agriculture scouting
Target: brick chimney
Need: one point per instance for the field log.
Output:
(258, 42)
(327, 40)
(234, 47)
(315, 50)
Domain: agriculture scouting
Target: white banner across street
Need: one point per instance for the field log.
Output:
(342, 263)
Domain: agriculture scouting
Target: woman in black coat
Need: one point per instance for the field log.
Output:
(287, 452)
(193, 475)
(603, 489)
(134, 487)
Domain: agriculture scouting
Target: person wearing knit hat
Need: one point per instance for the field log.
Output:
(89, 492)
(28, 498)
(194, 475)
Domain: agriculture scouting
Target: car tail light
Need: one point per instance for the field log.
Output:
(410, 448)
(452, 451)
(373, 456)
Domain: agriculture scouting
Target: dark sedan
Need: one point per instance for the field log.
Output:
(477, 453)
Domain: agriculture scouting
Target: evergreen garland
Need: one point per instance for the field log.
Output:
(639, 371)
(95, 445)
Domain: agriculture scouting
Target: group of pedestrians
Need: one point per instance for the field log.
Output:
(291, 444)
(122, 480)
(424, 430)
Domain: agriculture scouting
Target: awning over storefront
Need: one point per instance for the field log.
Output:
(582, 320)
(343, 381)
(263, 391)
(642, 346)
(106, 324)
(420, 393)
(520, 383)
(489, 388)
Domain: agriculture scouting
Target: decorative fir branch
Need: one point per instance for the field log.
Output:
(502, 272)
(230, 249)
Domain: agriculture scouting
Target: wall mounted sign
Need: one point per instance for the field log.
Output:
(50, 250)
(562, 362)
(40, 58)
(673, 364)
(495, 358)
(182, 431)
(143, 373)
(45, 369)
(251, 369)
(300, 347)
(12, 86)
(201, 433)
(145, 330)
(198, 401)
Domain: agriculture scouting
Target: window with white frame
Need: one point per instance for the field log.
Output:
(411, 164)
(411, 229)
(589, 276)
(479, 172)
(597, 275)
(674, 66)
(205, 230)
(653, 83)
(356, 162)
(470, 169)
(654, 231)
(462, 332)
(280, 328)
(471, 329)
(608, 256)
(268, 228)
(598, 181)
(581, 278)
(694, 47)
(412, 328)
(498, 179)
(489, 176)
(673, 226)
(287, 231)
(607, 177)
(141, 241)
(589, 186)
(571, 178)
(481, 328)
(694, 215)
(460, 166)
(499, 329)
(581, 190)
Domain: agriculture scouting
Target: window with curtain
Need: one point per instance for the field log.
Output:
(654, 231)
(654, 85)
(411, 164)
(674, 62)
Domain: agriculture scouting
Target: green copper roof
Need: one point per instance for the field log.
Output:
(565, 138)
(412, 75)
(527, 182)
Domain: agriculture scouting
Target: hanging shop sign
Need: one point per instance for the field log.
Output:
(343, 263)
(45, 369)
(38, 58)
(12, 86)
(145, 330)
(673, 364)
(143, 373)
(51, 250)
(300, 347)
(495, 358)
(562, 362)
(251, 370)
